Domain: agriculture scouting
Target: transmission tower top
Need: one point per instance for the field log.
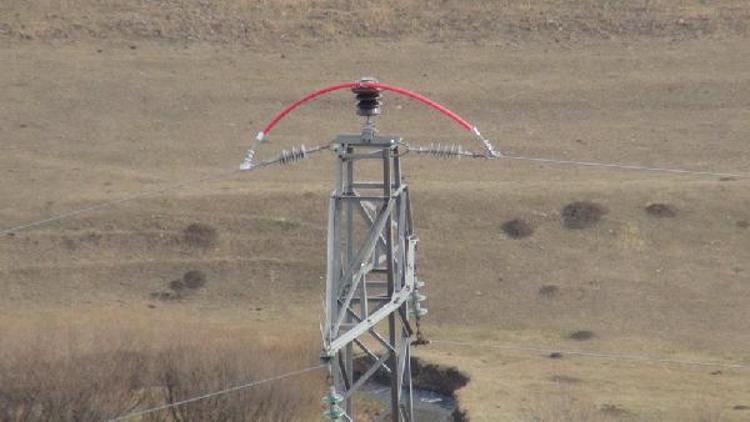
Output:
(368, 91)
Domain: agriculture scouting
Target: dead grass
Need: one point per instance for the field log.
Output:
(51, 379)
(563, 406)
(612, 95)
(272, 22)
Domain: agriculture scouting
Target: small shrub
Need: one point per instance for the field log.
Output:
(167, 296)
(581, 335)
(517, 228)
(549, 290)
(176, 285)
(200, 235)
(661, 210)
(194, 279)
(613, 410)
(582, 214)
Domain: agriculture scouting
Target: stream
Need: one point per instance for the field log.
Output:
(428, 405)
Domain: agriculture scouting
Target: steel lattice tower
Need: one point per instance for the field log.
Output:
(372, 293)
(371, 286)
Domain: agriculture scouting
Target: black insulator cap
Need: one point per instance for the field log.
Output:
(368, 98)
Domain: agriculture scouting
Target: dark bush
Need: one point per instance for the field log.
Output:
(548, 290)
(581, 335)
(200, 235)
(517, 228)
(194, 279)
(582, 214)
(661, 210)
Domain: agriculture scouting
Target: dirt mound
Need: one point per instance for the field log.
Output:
(661, 210)
(517, 228)
(582, 214)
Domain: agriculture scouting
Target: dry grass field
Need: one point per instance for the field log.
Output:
(103, 99)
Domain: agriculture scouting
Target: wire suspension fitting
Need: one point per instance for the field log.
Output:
(247, 163)
(489, 149)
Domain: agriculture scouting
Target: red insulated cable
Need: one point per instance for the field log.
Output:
(424, 100)
(403, 91)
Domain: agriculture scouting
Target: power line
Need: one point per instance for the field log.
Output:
(102, 205)
(604, 355)
(217, 393)
(624, 166)
(283, 158)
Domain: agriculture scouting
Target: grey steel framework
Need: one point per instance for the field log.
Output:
(371, 286)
